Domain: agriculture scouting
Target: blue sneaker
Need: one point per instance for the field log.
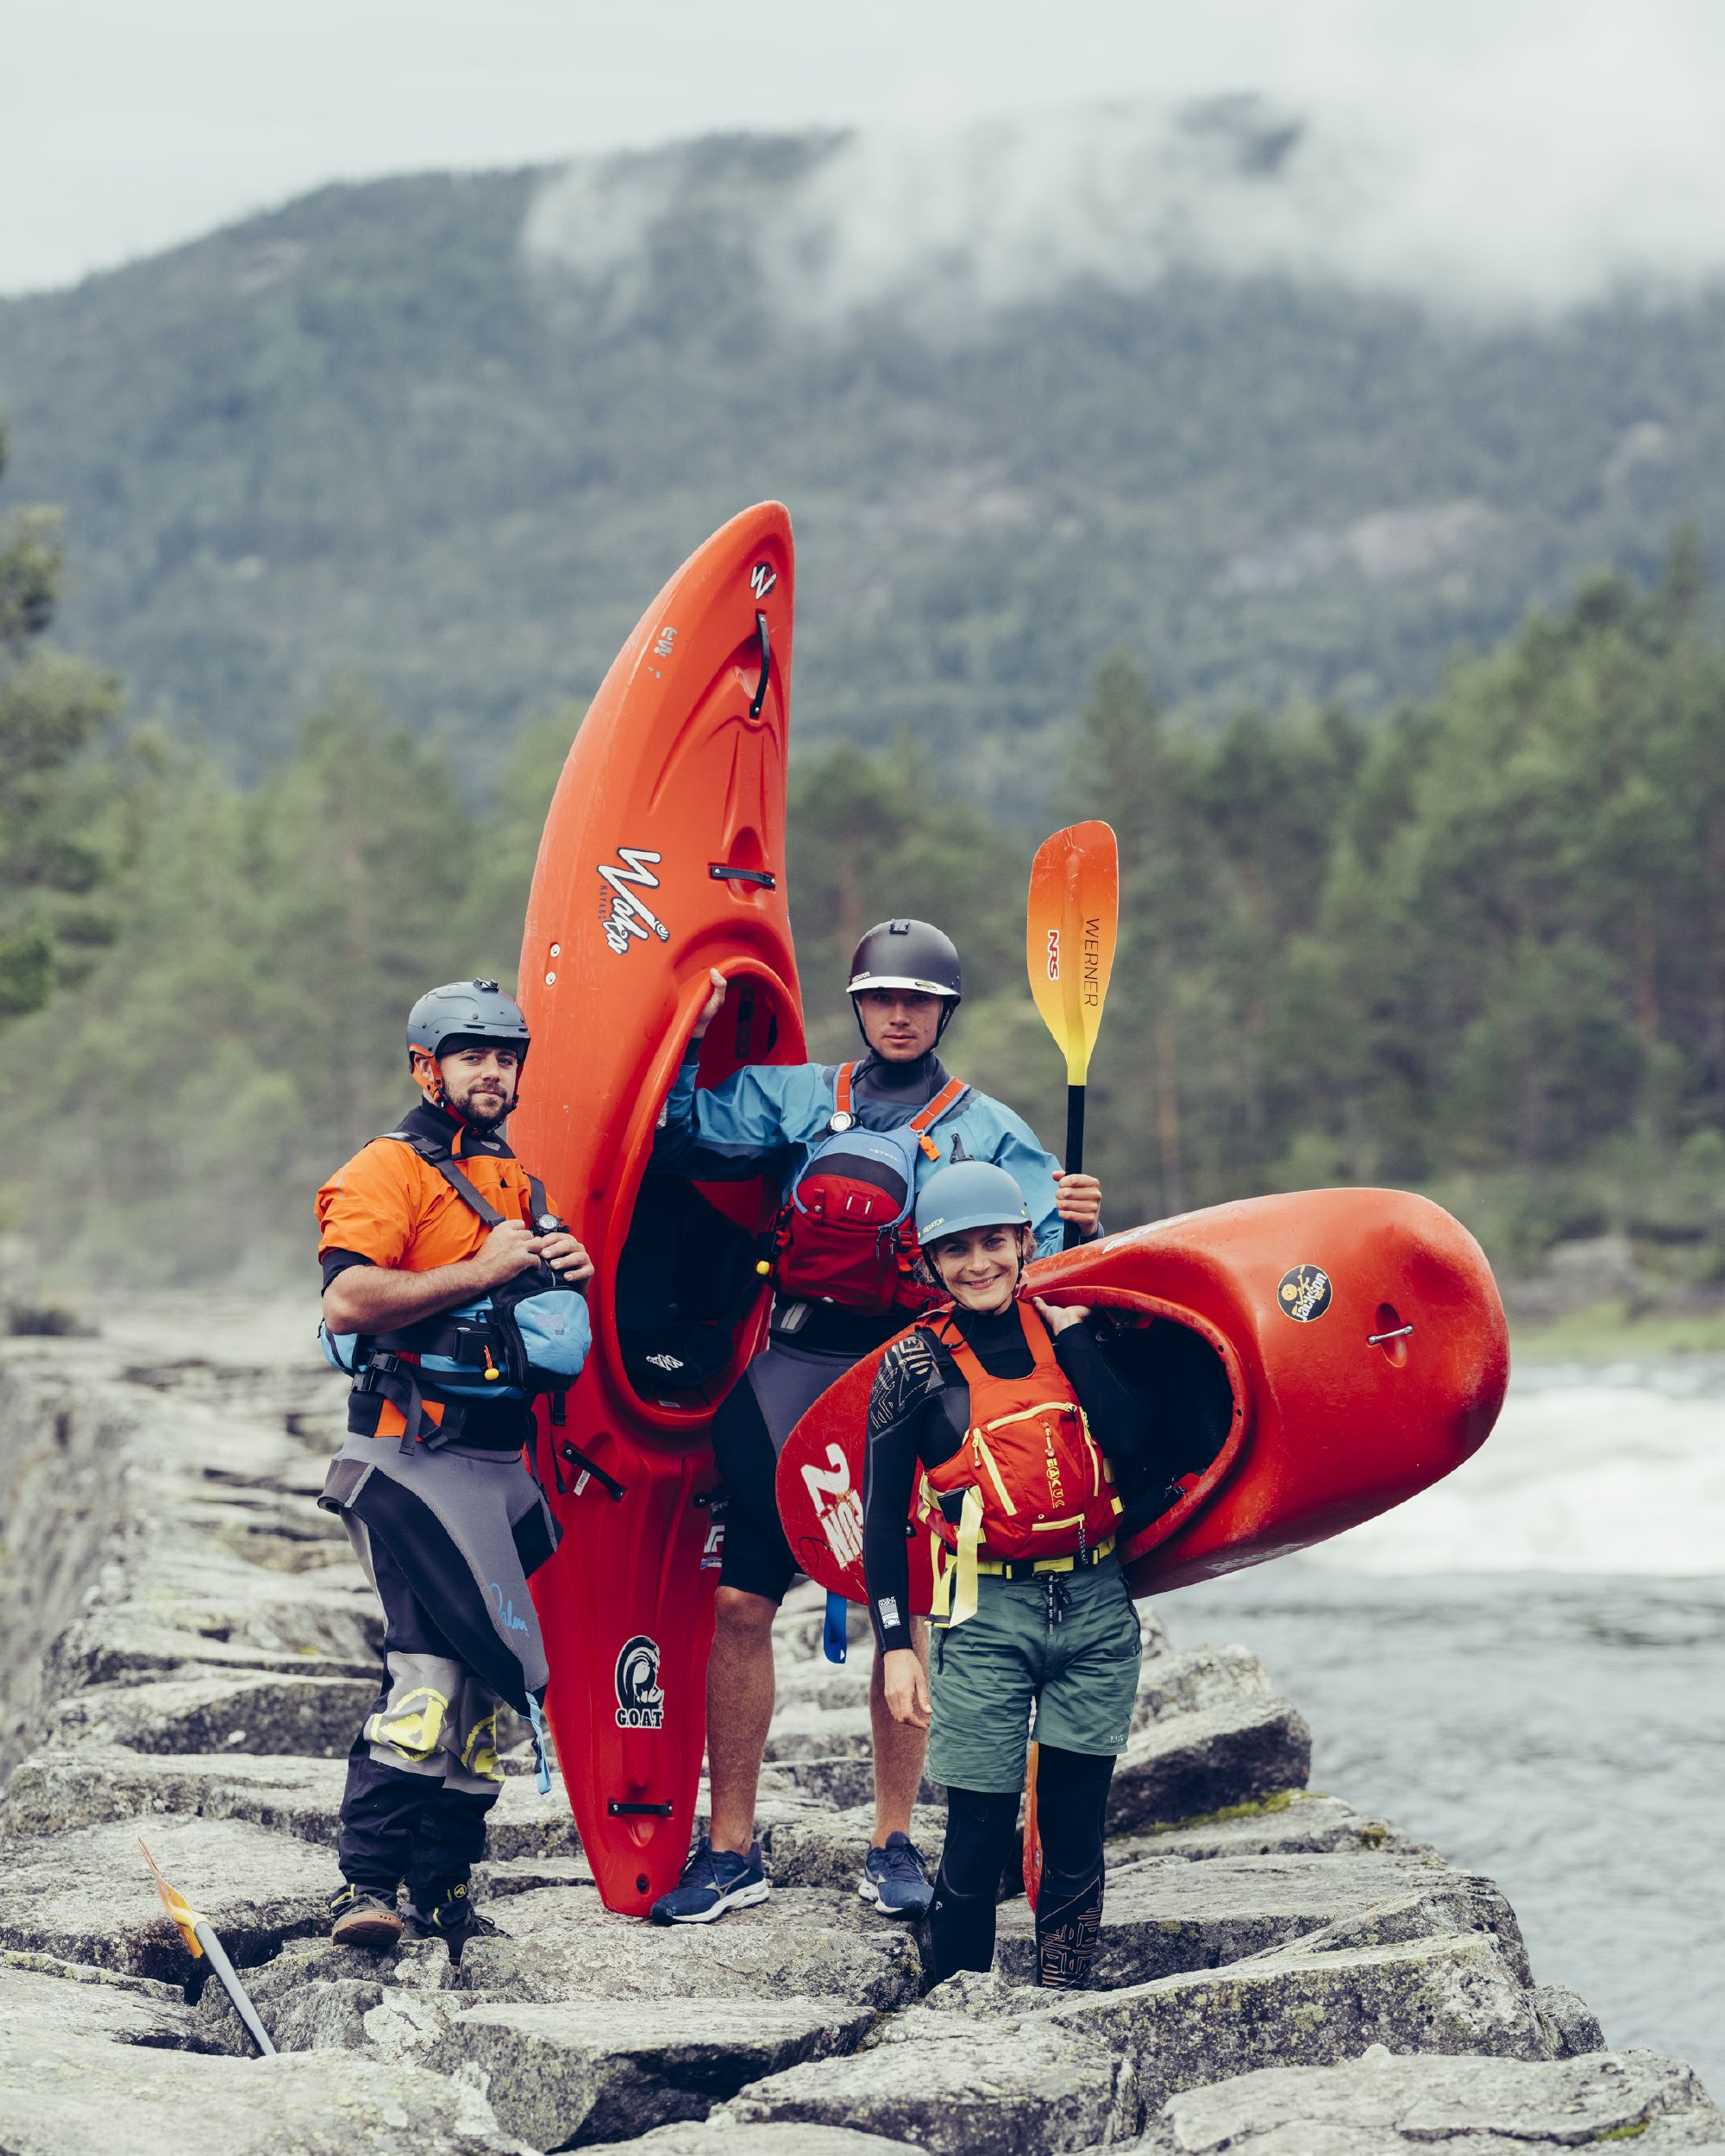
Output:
(895, 1879)
(713, 1880)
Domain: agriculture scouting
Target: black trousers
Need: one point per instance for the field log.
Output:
(399, 1824)
(1071, 1793)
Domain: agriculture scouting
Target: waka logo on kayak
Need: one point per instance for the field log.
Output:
(762, 579)
(623, 915)
(640, 1698)
(1304, 1293)
(838, 1508)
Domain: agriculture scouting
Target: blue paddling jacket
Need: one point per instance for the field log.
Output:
(767, 1118)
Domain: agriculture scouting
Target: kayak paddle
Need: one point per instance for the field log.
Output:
(199, 1935)
(1070, 928)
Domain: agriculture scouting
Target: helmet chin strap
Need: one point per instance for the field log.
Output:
(948, 1011)
(432, 1087)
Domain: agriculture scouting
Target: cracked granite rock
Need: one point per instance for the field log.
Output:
(87, 1897)
(51, 1791)
(1380, 2105)
(720, 2136)
(979, 2088)
(314, 1717)
(804, 1942)
(1291, 1823)
(601, 2070)
(1161, 1919)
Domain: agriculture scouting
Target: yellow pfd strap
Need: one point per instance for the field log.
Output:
(970, 1541)
(979, 1445)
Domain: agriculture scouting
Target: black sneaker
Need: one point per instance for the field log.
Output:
(361, 1919)
(451, 1917)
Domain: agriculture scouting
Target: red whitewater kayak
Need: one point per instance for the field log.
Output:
(662, 855)
(1320, 1356)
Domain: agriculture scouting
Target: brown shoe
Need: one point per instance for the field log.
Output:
(363, 1919)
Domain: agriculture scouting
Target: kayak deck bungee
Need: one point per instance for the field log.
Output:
(662, 855)
(1322, 1357)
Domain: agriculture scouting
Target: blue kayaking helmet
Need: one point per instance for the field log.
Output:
(968, 1193)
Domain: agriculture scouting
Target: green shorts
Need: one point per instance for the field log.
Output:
(1066, 1643)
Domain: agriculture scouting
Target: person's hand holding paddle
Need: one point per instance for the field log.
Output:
(1078, 1200)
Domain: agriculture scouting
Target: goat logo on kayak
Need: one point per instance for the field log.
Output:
(640, 1697)
(1304, 1293)
(623, 915)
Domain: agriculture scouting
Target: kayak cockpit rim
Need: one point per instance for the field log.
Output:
(1216, 1470)
(759, 1021)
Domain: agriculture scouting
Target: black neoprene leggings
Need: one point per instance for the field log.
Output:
(1071, 1791)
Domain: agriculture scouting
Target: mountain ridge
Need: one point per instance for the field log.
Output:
(376, 429)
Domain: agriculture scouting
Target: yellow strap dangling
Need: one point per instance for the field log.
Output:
(942, 1577)
(969, 1537)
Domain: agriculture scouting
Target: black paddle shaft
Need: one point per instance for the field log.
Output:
(1075, 1153)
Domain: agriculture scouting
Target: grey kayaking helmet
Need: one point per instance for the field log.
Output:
(968, 1193)
(462, 1012)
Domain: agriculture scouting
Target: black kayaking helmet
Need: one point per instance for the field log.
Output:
(913, 955)
(464, 1014)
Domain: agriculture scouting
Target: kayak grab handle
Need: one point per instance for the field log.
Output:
(607, 1483)
(1377, 1339)
(760, 696)
(619, 1809)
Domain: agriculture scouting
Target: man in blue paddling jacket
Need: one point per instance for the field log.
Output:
(848, 1145)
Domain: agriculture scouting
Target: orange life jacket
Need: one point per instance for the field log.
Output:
(1034, 1481)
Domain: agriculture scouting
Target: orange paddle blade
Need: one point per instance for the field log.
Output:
(184, 1916)
(1070, 930)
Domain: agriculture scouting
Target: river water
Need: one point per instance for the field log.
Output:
(1526, 1667)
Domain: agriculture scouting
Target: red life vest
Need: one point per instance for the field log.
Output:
(844, 1234)
(1035, 1482)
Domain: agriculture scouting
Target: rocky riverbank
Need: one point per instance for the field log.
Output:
(189, 1649)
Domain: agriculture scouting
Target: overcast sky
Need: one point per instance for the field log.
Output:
(127, 125)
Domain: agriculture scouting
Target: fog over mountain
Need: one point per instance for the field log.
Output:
(1276, 399)
(1479, 217)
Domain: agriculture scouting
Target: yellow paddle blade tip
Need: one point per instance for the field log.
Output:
(185, 1918)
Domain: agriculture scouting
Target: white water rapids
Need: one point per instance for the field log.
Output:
(1525, 1666)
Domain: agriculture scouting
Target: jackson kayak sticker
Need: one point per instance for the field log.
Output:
(1304, 1293)
(838, 1508)
(623, 915)
(640, 1698)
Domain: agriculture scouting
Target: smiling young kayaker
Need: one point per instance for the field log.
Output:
(1003, 1416)
(451, 1295)
(851, 1145)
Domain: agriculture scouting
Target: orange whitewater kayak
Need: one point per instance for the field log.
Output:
(1320, 1358)
(662, 855)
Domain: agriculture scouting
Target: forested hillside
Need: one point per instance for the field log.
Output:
(1477, 947)
(381, 429)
